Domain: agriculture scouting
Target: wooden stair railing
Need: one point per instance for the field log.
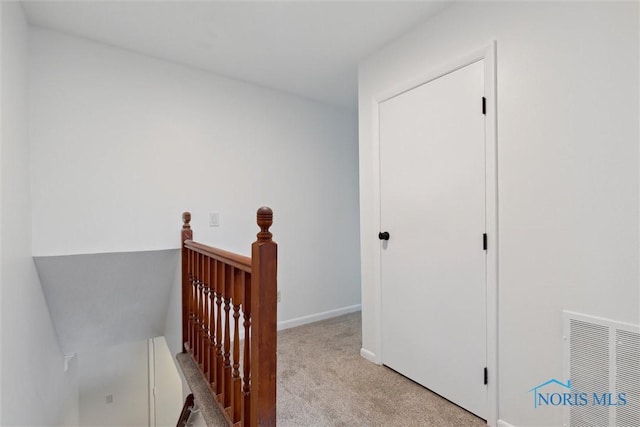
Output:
(186, 411)
(218, 289)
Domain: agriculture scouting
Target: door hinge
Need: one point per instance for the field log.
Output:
(486, 376)
(484, 105)
(484, 241)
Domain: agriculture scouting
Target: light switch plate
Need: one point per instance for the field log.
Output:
(214, 219)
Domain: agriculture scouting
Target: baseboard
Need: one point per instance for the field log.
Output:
(299, 321)
(370, 356)
(504, 424)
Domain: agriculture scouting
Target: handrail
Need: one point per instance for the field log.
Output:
(240, 262)
(186, 411)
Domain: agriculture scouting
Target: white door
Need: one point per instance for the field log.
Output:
(432, 189)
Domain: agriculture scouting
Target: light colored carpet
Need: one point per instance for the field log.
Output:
(323, 381)
(203, 398)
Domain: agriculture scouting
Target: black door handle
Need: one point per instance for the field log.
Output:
(383, 235)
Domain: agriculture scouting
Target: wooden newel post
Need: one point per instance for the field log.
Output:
(185, 234)
(264, 253)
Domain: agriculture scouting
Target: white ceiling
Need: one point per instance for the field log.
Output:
(310, 49)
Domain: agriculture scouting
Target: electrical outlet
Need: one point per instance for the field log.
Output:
(109, 398)
(214, 219)
(279, 296)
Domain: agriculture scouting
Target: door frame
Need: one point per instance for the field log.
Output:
(488, 53)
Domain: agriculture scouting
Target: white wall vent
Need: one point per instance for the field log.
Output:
(602, 358)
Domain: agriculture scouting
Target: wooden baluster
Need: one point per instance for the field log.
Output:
(185, 234)
(205, 341)
(238, 293)
(205, 315)
(219, 355)
(263, 323)
(203, 286)
(203, 260)
(246, 365)
(188, 303)
(228, 287)
(212, 324)
(192, 328)
(192, 297)
(198, 287)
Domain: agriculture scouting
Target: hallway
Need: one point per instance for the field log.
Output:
(323, 381)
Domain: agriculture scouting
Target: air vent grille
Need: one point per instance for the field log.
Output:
(589, 370)
(628, 377)
(602, 358)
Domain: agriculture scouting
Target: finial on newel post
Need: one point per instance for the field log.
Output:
(186, 219)
(264, 220)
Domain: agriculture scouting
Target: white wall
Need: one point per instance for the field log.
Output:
(568, 171)
(168, 385)
(2, 104)
(70, 398)
(128, 372)
(121, 371)
(173, 319)
(123, 143)
(35, 388)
